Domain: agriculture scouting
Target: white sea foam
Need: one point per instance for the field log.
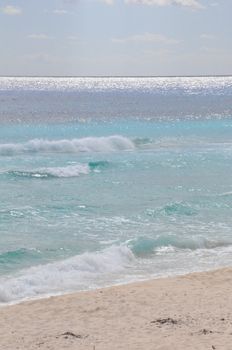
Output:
(43, 173)
(66, 171)
(79, 272)
(225, 194)
(89, 144)
(69, 171)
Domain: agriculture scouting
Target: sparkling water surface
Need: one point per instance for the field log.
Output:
(111, 180)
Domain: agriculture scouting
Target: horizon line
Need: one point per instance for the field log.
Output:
(117, 76)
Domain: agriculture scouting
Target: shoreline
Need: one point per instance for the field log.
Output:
(122, 283)
(190, 311)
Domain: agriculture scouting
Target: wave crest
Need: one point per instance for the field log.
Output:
(89, 144)
(54, 172)
(143, 246)
(46, 173)
(75, 273)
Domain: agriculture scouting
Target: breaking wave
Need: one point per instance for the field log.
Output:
(89, 144)
(59, 172)
(78, 272)
(94, 269)
(46, 173)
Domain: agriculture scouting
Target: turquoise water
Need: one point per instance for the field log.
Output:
(89, 202)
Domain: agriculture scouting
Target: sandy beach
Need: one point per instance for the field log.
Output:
(185, 312)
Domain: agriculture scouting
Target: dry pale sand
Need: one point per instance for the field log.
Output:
(187, 312)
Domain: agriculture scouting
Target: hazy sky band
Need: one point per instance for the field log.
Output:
(116, 37)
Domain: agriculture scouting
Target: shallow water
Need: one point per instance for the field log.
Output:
(109, 180)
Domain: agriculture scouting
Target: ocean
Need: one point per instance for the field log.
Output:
(105, 181)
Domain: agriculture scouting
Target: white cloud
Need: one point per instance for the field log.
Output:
(207, 36)
(39, 36)
(194, 4)
(108, 2)
(72, 38)
(71, 2)
(11, 10)
(60, 12)
(147, 38)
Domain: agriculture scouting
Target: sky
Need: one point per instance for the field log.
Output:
(115, 37)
